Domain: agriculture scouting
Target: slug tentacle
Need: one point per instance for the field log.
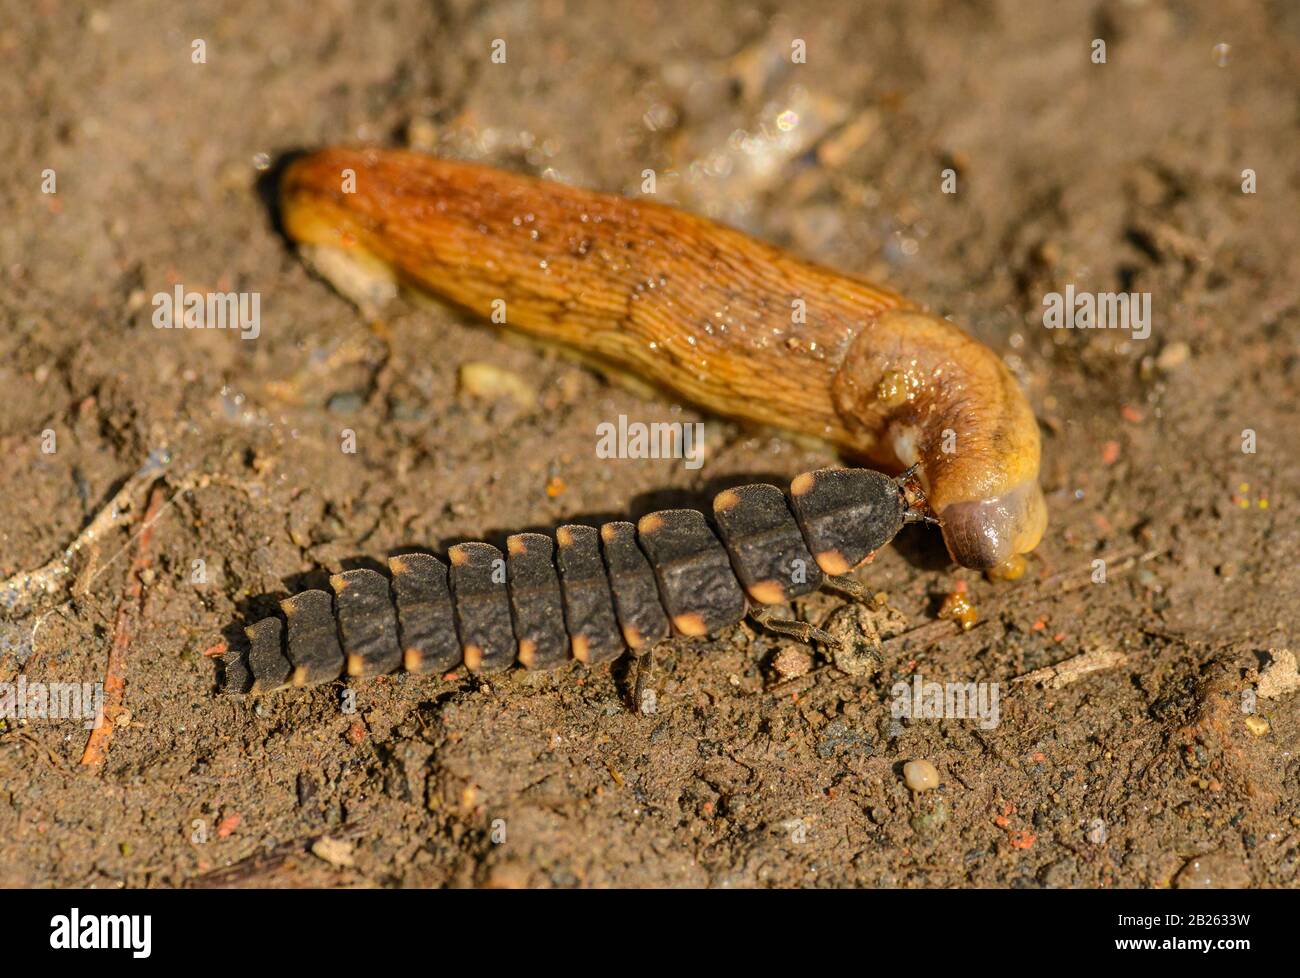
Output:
(730, 323)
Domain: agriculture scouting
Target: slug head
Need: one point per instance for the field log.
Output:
(923, 393)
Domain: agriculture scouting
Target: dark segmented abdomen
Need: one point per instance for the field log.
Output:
(313, 640)
(632, 581)
(367, 622)
(597, 594)
(696, 582)
(425, 614)
(766, 546)
(588, 601)
(536, 601)
(478, 588)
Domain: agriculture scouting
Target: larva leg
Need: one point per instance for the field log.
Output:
(803, 631)
(852, 589)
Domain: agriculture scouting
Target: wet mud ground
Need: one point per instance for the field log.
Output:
(1122, 176)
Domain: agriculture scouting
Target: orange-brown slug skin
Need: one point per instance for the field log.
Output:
(730, 323)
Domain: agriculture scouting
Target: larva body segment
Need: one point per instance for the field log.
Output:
(632, 581)
(846, 515)
(588, 600)
(536, 601)
(367, 623)
(314, 650)
(483, 618)
(768, 551)
(237, 678)
(696, 582)
(425, 615)
(728, 322)
(592, 598)
(266, 660)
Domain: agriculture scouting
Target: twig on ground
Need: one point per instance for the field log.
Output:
(1074, 668)
(22, 591)
(132, 603)
(263, 865)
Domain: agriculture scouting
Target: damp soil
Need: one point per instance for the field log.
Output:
(1150, 771)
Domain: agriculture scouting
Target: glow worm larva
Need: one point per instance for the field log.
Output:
(592, 595)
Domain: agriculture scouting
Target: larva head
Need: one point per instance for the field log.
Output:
(846, 515)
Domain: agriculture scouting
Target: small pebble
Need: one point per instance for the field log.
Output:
(792, 662)
(489, 382)
(336, 852)
(1257, 726)
(920, 775)
(1173, 356)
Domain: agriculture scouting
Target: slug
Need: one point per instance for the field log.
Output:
(732, 324)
